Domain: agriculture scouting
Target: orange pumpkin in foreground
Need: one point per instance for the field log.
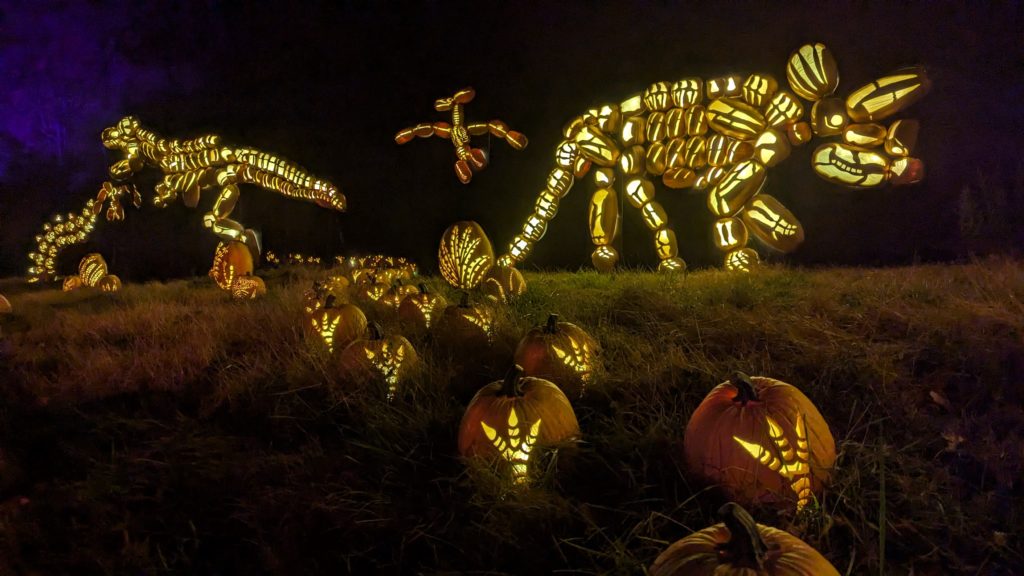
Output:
(508, 419)
(740, 547)
(561, 352)
(335, 326)
(761, 440)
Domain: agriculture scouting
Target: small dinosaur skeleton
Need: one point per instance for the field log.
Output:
(189, 167)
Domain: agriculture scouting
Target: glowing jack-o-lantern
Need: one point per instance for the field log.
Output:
(419, 311)
(503, 284)
(230, 261)
(561, 352)
(467, 323)
(396, 293)
(372, 290)
(248, 288)
(465, 255)
(72, 283)
(109, 283)
(335, 326)
(761, 440)
(740, 547)
(388, 359)
(508, 420)
(92, 269)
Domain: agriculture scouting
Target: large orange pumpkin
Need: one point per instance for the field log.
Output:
(419, 311)
(387, 359)
(740, 547)
(230, 261)
(508, 419)
(761, 440)
(561, 352)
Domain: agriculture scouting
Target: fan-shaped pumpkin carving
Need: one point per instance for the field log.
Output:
(465, 255)
(740, 547)
(419, 311)
(503, 283)
(335, 326)
(561, 352)
(508, 419)
(761, 440)
(387, 359)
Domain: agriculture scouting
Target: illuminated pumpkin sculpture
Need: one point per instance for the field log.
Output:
(465, 255)
(740, 547)
(390, 360)
(189, 167)
(232, 271)
(336, 325)
(719, 137)
(761, 440)
(508, 420)
(418, 311)
(560, 352)
(92, 273)
(468, 159)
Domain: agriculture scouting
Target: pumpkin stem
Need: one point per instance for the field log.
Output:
(552, 326)
(745, 548)
(745, 386)
(510, 387)
(423, 288)
(464, 300)
(374, 331)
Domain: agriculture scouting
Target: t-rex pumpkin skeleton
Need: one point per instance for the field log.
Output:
(721, 135)
(189, 167)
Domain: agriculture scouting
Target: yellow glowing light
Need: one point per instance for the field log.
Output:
(791, 463)
(517, 444)
(465, 255)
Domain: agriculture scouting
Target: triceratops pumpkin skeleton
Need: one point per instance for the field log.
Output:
(664, 131)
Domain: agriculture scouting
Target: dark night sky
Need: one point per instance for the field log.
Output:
(328, 85)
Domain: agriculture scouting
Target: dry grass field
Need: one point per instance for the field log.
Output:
(167, 429)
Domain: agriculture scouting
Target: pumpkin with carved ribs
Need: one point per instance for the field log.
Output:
(761, 440)
(508, 419)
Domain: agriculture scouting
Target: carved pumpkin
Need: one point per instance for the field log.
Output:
(503, 283)
(388, 359)
(109, 283)
(561, 352)
(762, 440)
(248, 288)
(739, 546)
(336, 326)
(72, 283)
(5, 305)
(371, 291)
(419, 311)
(230, 261)
(465, 255)
(508, 419)
(467, 323)
(398, 291)
(92, 269)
